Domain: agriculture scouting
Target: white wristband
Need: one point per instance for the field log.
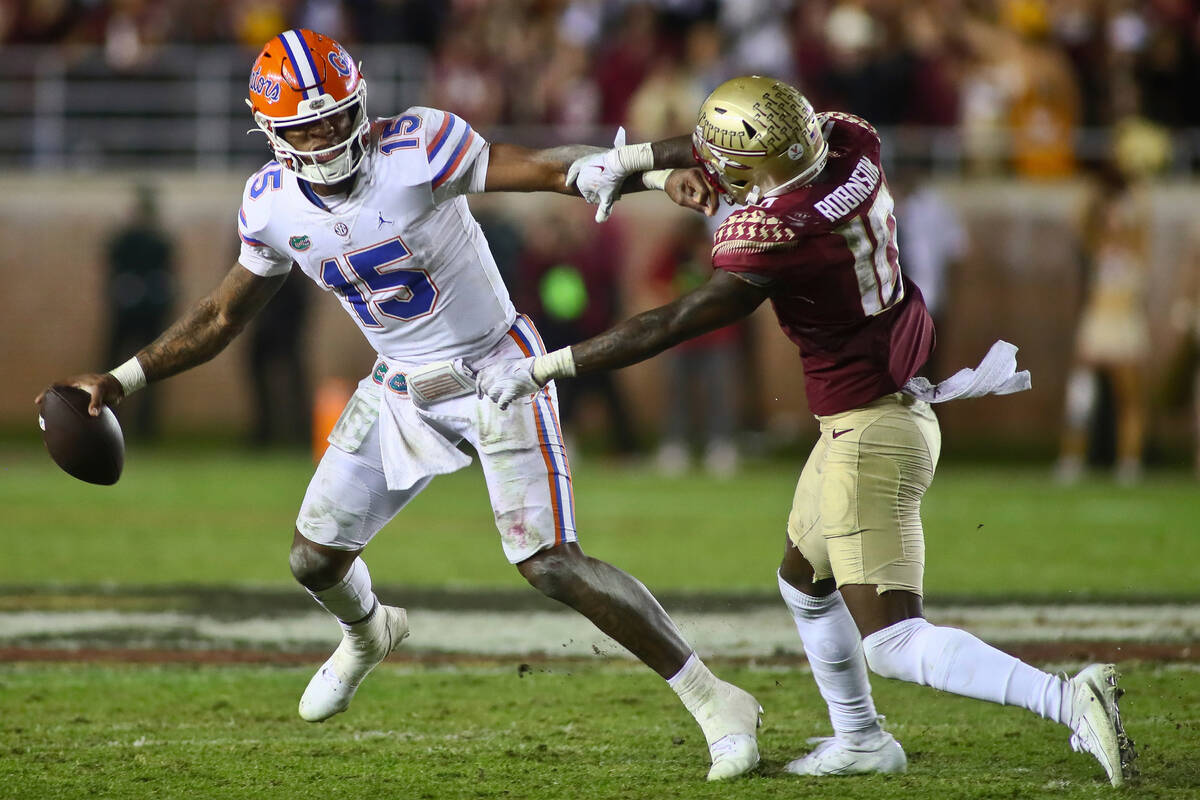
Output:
(656, 179)
(635, 157)
(130, 375)
(559, 364)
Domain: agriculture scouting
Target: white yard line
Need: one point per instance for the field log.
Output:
(765, 631)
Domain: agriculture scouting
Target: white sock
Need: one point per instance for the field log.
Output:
(351, 599)
(955, 661)
(694, 683)
(834, 651)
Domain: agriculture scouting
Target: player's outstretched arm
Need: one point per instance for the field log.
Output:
(600, 176)
(196, 337)
(512, 168)
(723, 300)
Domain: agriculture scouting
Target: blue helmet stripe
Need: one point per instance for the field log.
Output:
(306, 71)
(311, 64)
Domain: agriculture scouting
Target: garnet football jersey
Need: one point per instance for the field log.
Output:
(828, 254)
(401, 251)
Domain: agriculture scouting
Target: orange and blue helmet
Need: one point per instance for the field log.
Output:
(299, 77)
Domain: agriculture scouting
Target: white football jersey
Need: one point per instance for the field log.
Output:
(401, 251)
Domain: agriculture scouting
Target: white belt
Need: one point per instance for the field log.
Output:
(443, 380)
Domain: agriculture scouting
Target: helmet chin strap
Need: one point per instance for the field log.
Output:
(340, 167)
(334, 171)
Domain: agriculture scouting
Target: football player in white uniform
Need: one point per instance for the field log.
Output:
(375, 212)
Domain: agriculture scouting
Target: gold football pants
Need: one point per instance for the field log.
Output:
(856, 515)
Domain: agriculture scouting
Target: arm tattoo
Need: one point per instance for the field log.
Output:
(209, 326)
(629, 342)
(191, 341)
(721, 301)
(513, 168)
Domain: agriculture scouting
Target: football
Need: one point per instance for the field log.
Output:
(89, 448)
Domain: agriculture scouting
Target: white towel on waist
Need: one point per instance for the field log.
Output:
(411, 448)
(996, 374)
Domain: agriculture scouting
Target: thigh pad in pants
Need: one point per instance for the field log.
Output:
(347, 501)
(856, 515)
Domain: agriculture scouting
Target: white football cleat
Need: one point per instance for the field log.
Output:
(730, 722)
(1096, 722)
(880, 754)
(362, 647)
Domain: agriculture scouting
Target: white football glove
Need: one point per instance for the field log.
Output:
(598, 177)
(505, 381)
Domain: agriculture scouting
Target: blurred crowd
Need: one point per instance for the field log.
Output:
(1029, 72)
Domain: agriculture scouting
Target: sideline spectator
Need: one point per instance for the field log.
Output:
(702, 374)
(569, 285)
(141, 291)
(1112, 338)
(1183, 371)
(282, 392)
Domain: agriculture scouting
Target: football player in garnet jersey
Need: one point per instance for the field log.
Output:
(818, 239)
(374, 211)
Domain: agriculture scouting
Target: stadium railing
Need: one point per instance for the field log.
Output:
(183, 106)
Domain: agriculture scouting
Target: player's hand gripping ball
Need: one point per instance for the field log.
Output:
(89, 448)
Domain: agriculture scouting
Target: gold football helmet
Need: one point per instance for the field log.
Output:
(757, 135)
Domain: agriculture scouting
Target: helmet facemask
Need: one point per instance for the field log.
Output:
(715, 167)
(328, 165)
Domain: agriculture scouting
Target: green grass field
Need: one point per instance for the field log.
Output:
(560, 731)
(216, 517)
(212, 517)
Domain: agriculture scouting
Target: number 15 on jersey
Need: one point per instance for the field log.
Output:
(373, 283)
